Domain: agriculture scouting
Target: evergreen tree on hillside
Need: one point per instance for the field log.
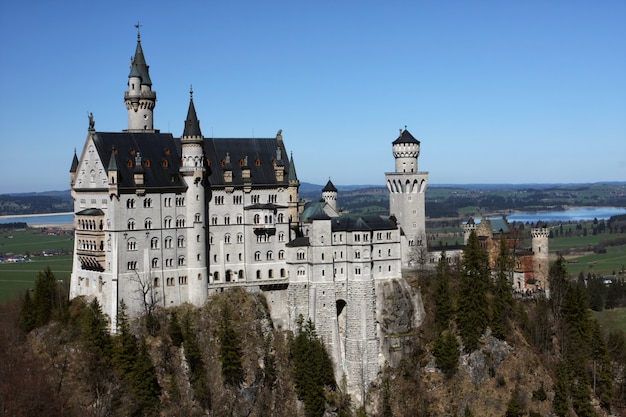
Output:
(446, 353)
(473, 311)
(125, 350)
(602, 376)
(443, 299)
(27, 317)
(230, 349)
(312, 368)
(145, 386)
(503, 293)
(197, 369)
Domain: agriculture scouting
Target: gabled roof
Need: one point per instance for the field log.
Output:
(160, 158)
(314, 211)
(405, 137)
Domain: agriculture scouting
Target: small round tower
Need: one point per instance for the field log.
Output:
(468, 227)
(540, 234)
(139, 98)
(329, 195)
(406, 150)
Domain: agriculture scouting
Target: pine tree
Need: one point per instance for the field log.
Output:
(27, 313)
(473, 311)
(46, 297)
(146, 389)
(443, 299)
(197, 370)
(125, 350)
(502, 297)
(230, 350)
(446, 352)
(602, 375)
(514, 407)
(561, 390)
(312, 368)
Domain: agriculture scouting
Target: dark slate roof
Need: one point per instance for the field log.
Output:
(261, 150)
(74, 163)
(160, 156)
(365, 223)
(405, 137)
(138, 67)
(299, 241)
(329, 187)
(292, 176)
(498, 224)
(91, 212)
(192, 124)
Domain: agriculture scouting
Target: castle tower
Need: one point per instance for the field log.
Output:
(292, 189)
(194, 174)
(540, 234)
(139, 98)
(468, 228)
(329, 195)
(407, 187)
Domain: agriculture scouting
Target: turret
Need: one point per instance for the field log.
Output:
(406, 150)
(139, 98)
(540, 234)
(329, 195)
(193, 171)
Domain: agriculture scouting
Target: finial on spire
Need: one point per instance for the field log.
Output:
(191, 91)
(138, 27)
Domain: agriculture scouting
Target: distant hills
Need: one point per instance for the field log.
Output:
(442, 200)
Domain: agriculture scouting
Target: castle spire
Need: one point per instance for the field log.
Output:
(192, 124)
(139, 98)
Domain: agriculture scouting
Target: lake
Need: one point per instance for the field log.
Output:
(38, 219)
(573, 214)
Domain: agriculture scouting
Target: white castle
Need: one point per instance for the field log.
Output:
(161, 221)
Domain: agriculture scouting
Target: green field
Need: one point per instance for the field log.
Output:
(614, 319)
(17, 277)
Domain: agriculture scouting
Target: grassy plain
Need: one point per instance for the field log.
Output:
(614, 319)
(16, 277)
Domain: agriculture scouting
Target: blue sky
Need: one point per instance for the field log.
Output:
(496, 91)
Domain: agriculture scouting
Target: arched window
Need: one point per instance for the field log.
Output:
(281, 218)
(281, 254)
(154, 243)
(257, 219)
(131, 244)
(181, 242)
(168, 242)
(227, 238)
(257, 256)
(155, 262)
(131, 224)
(181, 260)
(269, 255)
(148, 223)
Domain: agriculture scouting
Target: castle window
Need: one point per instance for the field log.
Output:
(228, 257)
(239, 237)
(167, 222)
(282, 272)
(197, 218)
(131, 224)
(227, 219)
(239, 219)
(155, 262)
(258, 274)
(165, 163)
(130, 203)
(169, 262)
(132, 265)
(357, 271)
(357, 255)
(257, 219)
(255, 199)
(214, 220)
(129, 163)
(131, 245)
(281, 237)
(219, 200)
(147, 202)
(301, 272)
(227, 238)
(167, 202)
(180, 201)
(170, 281)
(148, 223)
(147, 163)
(270, 273)
(181, 260)
(181, 242)
(269, 255)
(211, 239)
(168, 242)
(180, 222)
(182, 280)
(300, 255)
(156, 282)
(281, 254)
(281, 218)
(257, 256)
(257, 162)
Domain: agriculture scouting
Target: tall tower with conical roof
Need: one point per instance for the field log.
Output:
(407, 188)
(139, 98)
(194, 174)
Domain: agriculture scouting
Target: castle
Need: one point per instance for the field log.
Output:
(161, 221)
